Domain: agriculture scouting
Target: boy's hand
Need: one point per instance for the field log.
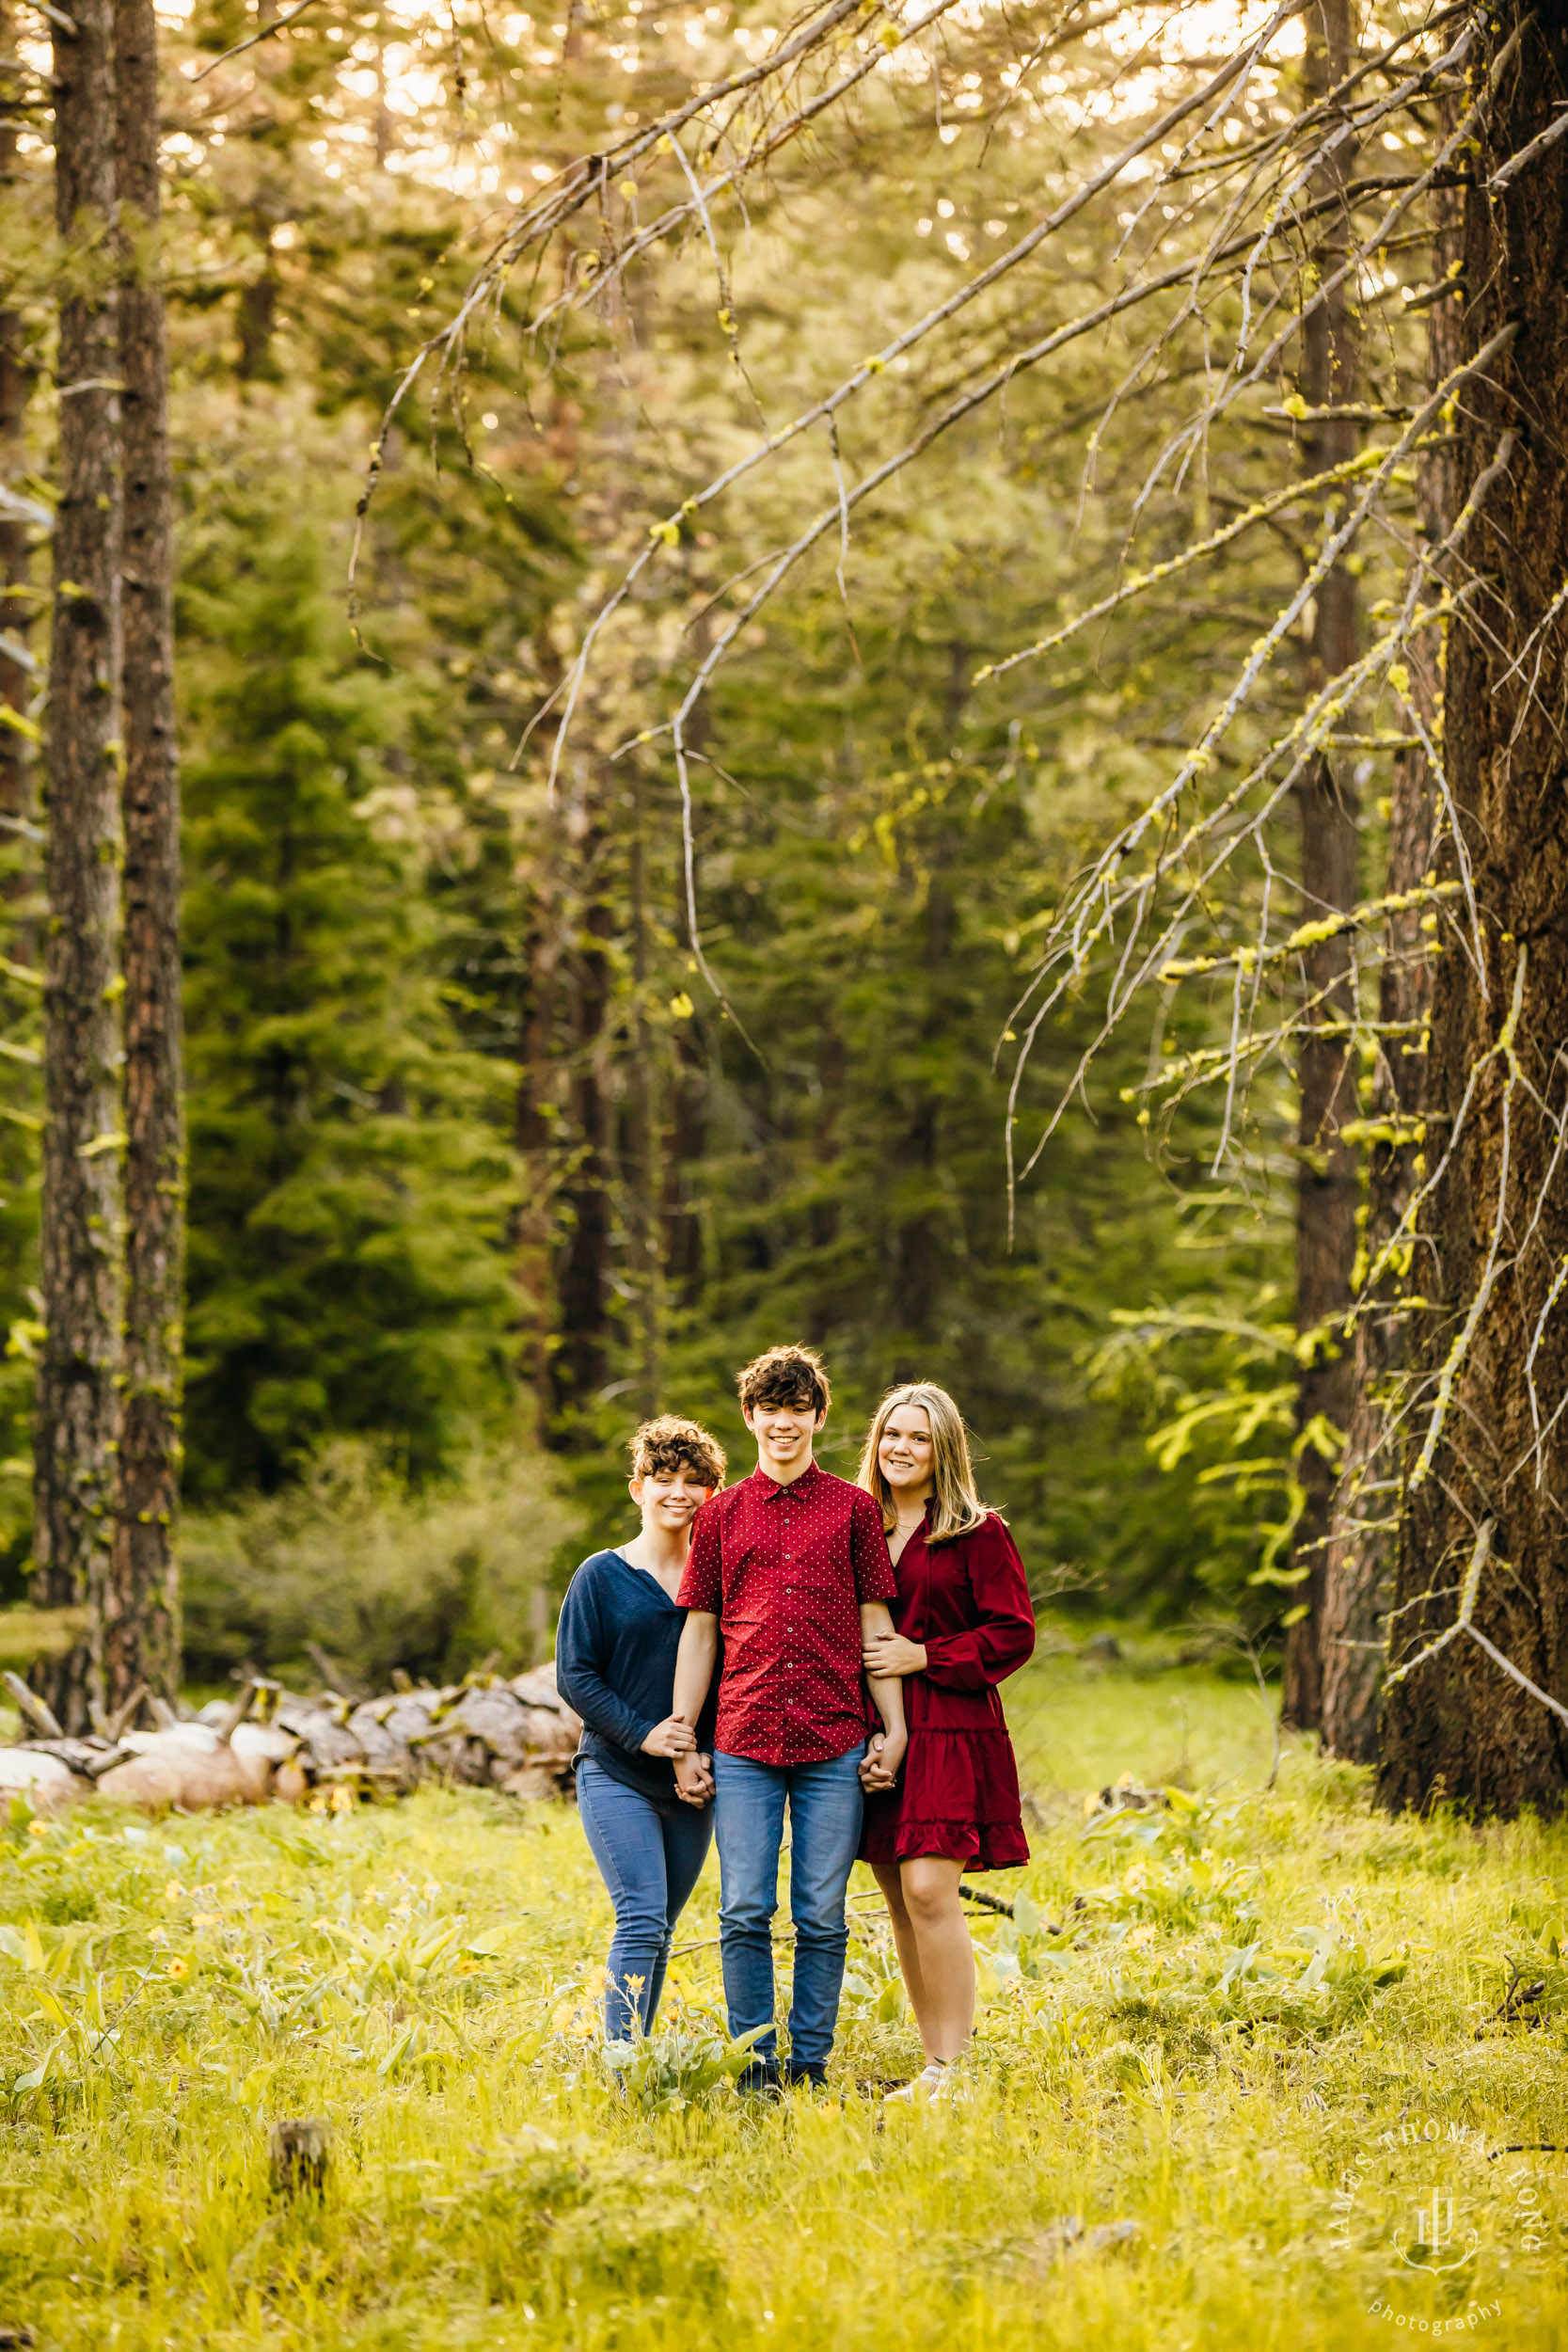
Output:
(694, 1777)
(880, 1765)
(671, 1738)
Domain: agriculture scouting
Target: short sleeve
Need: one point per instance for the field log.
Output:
(702, 1586)
(868, 1551)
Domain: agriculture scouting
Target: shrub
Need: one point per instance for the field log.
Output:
(350, 1560)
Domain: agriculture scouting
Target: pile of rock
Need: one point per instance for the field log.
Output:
(518, 1737)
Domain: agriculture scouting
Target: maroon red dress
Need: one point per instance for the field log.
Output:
(968, 1601)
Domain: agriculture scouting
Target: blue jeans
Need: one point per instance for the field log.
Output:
(824, 1831)
(650, 1858)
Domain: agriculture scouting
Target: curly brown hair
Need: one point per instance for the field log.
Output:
(670, 1443)
(784, 1375)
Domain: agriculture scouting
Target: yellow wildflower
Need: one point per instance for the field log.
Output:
(173, 1891)
(177, 1968)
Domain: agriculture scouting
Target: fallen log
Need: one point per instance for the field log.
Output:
(518, 1737)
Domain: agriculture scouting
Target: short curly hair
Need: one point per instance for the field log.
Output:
(784, 1375)
(670, 1443)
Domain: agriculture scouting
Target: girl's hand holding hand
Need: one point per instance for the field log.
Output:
(671, 1738)
(694, 1778)
(888, 1655)
(880, 1765)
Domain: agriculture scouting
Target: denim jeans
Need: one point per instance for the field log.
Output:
(650, 1858)
(824, 1802)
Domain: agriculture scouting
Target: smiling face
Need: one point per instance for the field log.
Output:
(904, 1453)
(669, 1500)
(783, 1433)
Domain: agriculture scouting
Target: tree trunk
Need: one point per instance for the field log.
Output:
(1366, 1510)
(580, 1362)
(1325, 1165)
(642, 1175)
(16, 610)
(78, 1410)
(1366, 1504)
(535, 1140)
(687, 1142)
(1489, 1479)
(141, 1636)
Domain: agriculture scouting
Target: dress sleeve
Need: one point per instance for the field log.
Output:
(868, 1551)
(1001, 1634)
(580, 1647)
(702, 1586)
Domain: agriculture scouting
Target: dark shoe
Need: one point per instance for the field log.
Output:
(759, 2082)
(815, 2077)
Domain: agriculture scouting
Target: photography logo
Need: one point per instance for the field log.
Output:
(1440, 2210)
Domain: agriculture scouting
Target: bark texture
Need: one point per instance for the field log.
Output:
(16, 610)
(141, 1621)
(1360, 1563)
(1494, 1359)
(1327, 1180)
(77, 1409)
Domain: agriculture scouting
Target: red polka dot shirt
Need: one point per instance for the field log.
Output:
(785, 1569)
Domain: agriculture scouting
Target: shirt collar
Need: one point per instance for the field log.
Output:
(769, 1487)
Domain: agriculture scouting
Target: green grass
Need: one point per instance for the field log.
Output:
(1253, 1991)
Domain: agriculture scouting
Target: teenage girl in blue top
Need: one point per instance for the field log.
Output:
(615, 1665)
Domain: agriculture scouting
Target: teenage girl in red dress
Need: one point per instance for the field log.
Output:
(964, 1623)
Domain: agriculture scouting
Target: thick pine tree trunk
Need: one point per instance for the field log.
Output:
(1366, 1510)
(141, 1637)
(1326, 1172)
(77, 1409)
(1495, 1234)
(15, 603)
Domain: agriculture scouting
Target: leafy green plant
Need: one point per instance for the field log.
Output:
(664, 2071)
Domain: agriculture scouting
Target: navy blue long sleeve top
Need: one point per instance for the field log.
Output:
(615, 1665)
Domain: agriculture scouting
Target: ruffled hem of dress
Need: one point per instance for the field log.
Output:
(978, 1845)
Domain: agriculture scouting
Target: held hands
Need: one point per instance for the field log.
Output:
(694, 1777)
(673, 1738)
(880, 1765)
(888, 1655)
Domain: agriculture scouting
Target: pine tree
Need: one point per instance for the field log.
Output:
(348, 1202)
(141, 1636)
(78, 1401)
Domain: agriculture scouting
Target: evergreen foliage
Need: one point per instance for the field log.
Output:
(472, 1149)
(349, 1194)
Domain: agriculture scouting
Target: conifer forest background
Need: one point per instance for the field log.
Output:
(567, 990)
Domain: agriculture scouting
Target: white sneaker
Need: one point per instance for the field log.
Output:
(925, 2087)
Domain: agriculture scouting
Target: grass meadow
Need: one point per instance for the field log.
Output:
(1248, 2074)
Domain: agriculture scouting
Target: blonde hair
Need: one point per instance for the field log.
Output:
(958, 1510)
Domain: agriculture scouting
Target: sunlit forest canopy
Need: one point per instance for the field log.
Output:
(796, 640)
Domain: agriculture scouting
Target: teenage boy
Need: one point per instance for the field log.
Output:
(793, 1566)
